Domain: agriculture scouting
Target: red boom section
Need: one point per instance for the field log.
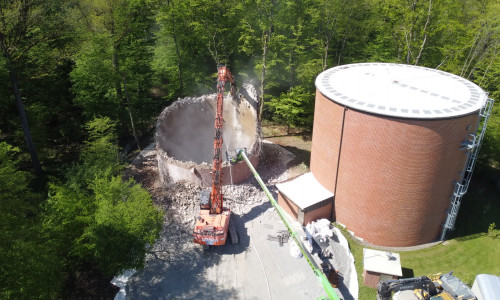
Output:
(213, 222)
(216, 198)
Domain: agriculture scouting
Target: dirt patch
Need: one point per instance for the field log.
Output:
(295, 140)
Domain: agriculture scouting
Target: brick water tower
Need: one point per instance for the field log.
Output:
(396, 145)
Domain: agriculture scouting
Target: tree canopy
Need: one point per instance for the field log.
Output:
(81, 80)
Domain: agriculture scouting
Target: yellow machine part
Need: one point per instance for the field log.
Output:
(421, 294)
(443, 296)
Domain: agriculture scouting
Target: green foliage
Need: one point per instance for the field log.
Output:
(492, 232)
(465, 257)
(100, 153)
(113, 75)
(14, 182)
(294, 108)
(490, 151)
(487, 77)
(28, 268)
(122, 60)
(33, 40)
(96, 216)
(92, 79)
(125, 223)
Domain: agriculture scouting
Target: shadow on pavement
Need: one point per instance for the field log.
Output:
(179, 270)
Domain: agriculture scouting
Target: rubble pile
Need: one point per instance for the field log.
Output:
(180, 201)
(174, 251)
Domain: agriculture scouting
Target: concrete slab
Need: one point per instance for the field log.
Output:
(304, 191)
(256, 268)
(382, 262)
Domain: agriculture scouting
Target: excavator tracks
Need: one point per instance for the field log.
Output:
(233, 233)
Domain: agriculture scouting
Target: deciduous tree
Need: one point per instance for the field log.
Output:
(95, 215)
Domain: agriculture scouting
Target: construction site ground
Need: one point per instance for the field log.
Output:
(256, 268)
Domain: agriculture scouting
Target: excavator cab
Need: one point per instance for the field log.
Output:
(205, 199)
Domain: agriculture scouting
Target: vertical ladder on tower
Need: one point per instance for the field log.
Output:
(472, 145)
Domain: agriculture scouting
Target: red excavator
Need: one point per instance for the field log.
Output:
(213, 223)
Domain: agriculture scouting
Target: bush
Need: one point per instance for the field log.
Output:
(97, 217)
(294, 108)
(492, 232)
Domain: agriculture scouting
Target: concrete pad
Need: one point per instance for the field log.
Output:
(256, 268)
(382, 262)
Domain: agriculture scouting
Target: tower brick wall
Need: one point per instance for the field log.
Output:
(392, 177)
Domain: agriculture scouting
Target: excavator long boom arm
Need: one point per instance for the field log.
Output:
(216, 199)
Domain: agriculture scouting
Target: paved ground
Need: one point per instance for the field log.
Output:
(254, 269)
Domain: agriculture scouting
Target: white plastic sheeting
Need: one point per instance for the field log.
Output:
(319, 229)
(322, 230)
(295, 251)
(121, 282)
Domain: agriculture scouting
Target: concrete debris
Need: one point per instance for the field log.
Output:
(254, 269)
(319, 229)
(180, 199)
(176, 268)
(295, 251)
(331, 248)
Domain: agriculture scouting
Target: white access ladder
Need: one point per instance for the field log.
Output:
(472, 144)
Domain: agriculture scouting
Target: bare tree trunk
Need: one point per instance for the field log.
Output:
(470, 56)
(479, 60)
(328, 34)
(129, 110)
(408, 45)
(425, 33)
(118, 86)
(489, 65)
(442, 62)
(325, 57)
(265, 40)
(179, 63)
(116, 66)
(344, 40)
(291, 61)
(22, 112)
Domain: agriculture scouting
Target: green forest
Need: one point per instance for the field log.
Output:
(82, 82)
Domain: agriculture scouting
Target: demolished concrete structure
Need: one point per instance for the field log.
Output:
(185, 132)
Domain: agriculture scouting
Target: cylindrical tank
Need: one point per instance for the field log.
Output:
(388, 142)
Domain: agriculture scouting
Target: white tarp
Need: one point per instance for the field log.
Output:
(322, 230)
(121, 282)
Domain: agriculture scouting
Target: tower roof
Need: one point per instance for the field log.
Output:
(399, 90)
